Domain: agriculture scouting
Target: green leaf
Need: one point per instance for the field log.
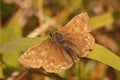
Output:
(11, 59)
(10, 34)
(12, 30)
(21, 44)
(102, 20)
(105, 56)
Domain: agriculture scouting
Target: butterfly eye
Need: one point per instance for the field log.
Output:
(52, 31)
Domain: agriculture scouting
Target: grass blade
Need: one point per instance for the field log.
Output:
(20, 44)
(105, 56)
(100, 21)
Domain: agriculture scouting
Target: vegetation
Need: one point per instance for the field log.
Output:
(24, 23)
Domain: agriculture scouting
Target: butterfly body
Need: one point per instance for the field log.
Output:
(65, 46)
(61, 40)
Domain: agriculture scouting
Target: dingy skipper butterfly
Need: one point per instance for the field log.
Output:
(66, 45)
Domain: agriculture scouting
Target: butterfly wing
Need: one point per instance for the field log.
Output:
(80, 43)
(79, 24)
(49, 55)
(77, 36)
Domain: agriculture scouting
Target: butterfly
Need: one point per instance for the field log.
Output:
(65, 46)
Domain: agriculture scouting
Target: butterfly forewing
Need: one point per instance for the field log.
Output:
(49, 55)
(34, 57)
(79, 24)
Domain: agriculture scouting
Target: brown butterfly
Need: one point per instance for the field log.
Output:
(64, 47)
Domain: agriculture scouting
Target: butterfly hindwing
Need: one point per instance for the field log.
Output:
(80, 43)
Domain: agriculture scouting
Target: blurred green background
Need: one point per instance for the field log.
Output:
(34, 18)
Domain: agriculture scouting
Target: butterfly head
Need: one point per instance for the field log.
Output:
(52, 31)
(56, 36)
